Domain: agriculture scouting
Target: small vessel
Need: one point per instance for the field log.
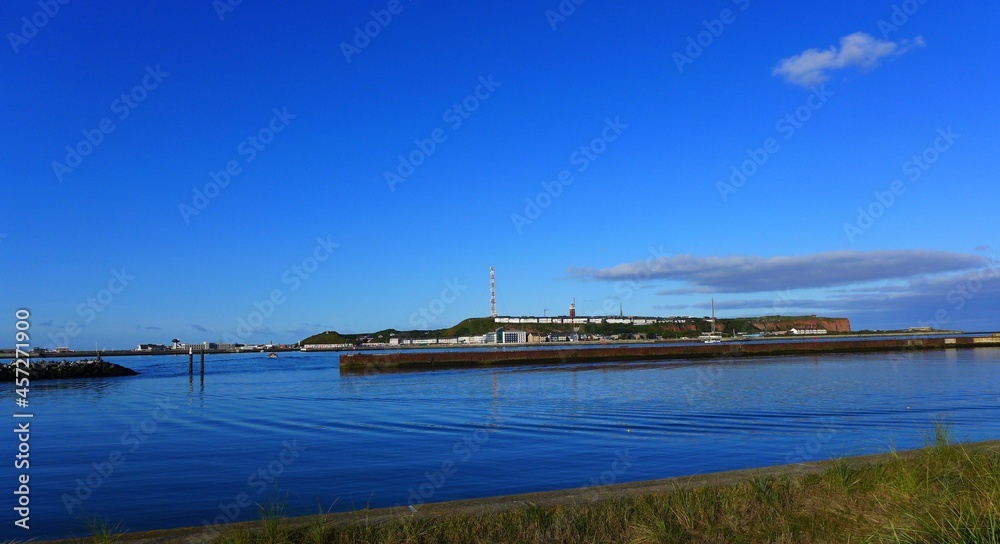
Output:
(272, 355)
(712, 337)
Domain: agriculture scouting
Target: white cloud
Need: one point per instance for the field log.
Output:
(959, 300)
(813, 66)
(876, 289)
(749, 274)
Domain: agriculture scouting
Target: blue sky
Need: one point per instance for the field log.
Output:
(383, 155)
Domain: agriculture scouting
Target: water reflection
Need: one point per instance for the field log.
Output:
(88, 390)
(196, 398)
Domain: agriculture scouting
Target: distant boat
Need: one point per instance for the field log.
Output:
(272, 355)
(712, 337)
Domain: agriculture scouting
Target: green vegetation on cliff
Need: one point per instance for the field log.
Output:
(469, 327)
(475, 326)
(328, 337)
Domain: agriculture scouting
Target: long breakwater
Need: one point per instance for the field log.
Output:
(521, 356)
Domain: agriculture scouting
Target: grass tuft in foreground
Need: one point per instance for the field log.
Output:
(103, 532)
(944, 494)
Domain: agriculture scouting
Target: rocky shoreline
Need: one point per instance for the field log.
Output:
(63, 370)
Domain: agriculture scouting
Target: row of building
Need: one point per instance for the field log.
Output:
(573, 320)
(499, 336)
(503, 336)
(177, 345)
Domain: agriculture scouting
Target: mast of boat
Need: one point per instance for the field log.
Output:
(713, 317)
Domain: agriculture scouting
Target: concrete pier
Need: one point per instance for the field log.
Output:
(520, 356)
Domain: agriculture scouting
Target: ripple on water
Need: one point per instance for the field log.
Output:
(370, 439)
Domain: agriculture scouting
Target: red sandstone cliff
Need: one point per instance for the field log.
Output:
(831, 324)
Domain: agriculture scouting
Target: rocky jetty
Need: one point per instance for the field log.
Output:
(63, 370)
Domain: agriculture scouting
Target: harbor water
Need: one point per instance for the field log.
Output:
(168, 449)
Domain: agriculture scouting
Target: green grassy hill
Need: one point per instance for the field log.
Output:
(328, 337)
(475, 326)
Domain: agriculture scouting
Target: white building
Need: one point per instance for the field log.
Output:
(204, 346)
(501, 336)
(619, 320)
(800, 332)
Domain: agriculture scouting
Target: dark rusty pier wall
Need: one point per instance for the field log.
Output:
(500, 357)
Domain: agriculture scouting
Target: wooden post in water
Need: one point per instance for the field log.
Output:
(190, 361)
(203, 362)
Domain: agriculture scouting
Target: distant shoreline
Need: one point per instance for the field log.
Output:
(532, 355)
(10, 353)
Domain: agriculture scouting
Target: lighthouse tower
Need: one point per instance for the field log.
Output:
(572, 308)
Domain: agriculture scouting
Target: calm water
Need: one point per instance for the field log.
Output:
(160, 450)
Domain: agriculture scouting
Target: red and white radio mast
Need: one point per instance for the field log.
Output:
(493, 293)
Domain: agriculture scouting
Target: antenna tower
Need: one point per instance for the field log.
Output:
(493, 293)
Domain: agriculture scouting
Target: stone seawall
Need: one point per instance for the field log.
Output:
(502, 357)
(60, 370)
